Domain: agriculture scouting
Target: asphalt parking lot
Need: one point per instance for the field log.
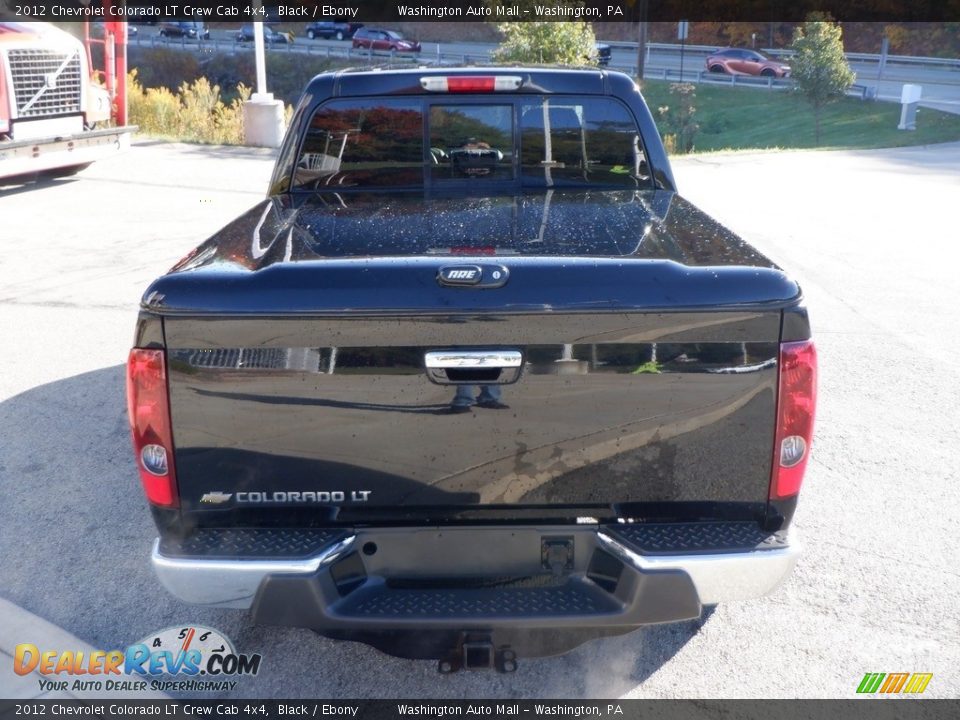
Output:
(871, 235)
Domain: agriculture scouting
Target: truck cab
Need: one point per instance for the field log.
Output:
(54, 111)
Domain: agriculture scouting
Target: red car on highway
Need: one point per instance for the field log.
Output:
(383, 40)
(741, 61)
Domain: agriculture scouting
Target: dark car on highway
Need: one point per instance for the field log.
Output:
(603, 54)
(245, 34)
(740, 61)
(378, 39)
(332, 30)
(192, 29)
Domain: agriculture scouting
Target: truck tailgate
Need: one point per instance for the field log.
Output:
(305, 386)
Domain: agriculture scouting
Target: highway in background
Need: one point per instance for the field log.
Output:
(940, 80)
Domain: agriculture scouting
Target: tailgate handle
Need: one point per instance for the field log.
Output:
(465, 367)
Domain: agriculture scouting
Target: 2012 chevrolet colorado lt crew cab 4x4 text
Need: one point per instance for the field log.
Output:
(473, 382)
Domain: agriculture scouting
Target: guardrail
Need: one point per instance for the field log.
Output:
(874, 58)
(702, 76)
(864, 92)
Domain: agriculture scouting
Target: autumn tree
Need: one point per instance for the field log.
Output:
(819, 66)
(561, 42)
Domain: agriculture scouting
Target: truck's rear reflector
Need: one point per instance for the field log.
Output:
(796, 405)
(471, 83)
(148, 409)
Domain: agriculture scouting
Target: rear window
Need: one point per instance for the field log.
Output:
(363, 144)
(577, 142)
(551, 141)
(471, 141)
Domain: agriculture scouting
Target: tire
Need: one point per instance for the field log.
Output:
(339, 34)
(767, 72)
(311, 35)
(717, 69)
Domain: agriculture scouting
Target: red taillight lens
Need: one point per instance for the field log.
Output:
(471, 83)
(796, 404)
(148, 410)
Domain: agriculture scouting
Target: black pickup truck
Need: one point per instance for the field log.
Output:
(473, 382)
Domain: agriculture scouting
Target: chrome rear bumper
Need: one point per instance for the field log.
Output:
(717, 575)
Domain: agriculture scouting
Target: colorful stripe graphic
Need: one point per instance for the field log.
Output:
(918, 682)
(893, 683)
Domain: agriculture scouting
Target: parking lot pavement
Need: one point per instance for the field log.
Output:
(870, 236)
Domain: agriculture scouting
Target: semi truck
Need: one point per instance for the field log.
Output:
(57, 113)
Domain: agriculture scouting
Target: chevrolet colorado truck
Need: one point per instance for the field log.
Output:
(473, 382)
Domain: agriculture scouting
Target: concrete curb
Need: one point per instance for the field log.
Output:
(17, 626)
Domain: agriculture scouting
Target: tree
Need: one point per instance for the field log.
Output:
(819, 66)
(564, 42)
(679, 116)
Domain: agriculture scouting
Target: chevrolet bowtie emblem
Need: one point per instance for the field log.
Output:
(216, 497)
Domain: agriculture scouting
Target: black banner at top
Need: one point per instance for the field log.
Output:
(587, 709)
(370, 11)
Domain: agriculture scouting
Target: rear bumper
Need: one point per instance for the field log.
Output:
(456, 578)
(23, 157)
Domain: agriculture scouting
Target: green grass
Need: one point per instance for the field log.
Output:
(751, 118)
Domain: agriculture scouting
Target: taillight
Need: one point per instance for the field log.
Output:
(148, 409)
(796, 404)
(471, 83)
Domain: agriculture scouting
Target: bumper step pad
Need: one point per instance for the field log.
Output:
(572, 598)
(251, 544)
(694, 538)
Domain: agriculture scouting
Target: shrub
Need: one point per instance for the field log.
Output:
(679, 116)
(195, 114)
(287, 73)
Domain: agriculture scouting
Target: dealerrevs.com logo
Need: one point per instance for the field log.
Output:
(178, 659)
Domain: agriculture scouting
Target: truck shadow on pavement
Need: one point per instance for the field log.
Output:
(26, 183)
(75, 550)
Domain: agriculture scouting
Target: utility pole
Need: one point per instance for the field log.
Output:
(642, 39)
(263, 120)
(260, 60)
(683, 28)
